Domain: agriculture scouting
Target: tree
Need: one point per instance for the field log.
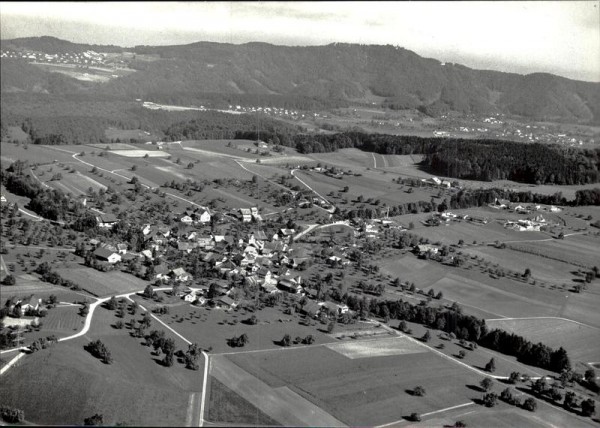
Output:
(415, 417)
(530, 404)
(97, 419)
(490, 399)
(588, 407)
(419, 391)
(460, 424)
(461, 354)
(402, 326)
(514, 377)
(112, 303)
(570, 400)
(331, 326)
(491, 366)
(426, 337)
(486, 384)
(286, 341)
(527, 273)
(9, 280)
(589, 375)
(555, 394)
(190, 165)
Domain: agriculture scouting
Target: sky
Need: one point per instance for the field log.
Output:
(518, 36)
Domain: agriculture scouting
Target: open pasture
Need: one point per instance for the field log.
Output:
(576, 249)
(377, 348)
(102, 283)
(363, 391)
(74, 183)
(470, 232)
(35, 153)
(113, 146)
(543, 269)
(127, 134)
(581, 342)
(212, 327)
(72, 384)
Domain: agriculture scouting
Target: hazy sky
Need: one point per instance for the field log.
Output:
(557, 37)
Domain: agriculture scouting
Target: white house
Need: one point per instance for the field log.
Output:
(204, 216)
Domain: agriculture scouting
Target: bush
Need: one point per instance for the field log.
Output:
(415, 417)
(11, 415)
(419, 391)
(530, 404)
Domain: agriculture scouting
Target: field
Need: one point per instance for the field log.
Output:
(136, 153)
(362, 391)
(224, 405)
(212, 327)
(71, 384)
(127, 134)
(102, 283)
(581, 342)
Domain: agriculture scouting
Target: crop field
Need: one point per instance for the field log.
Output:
(377, 348)
(61, 321)
(581, 342)
(363, 391)
(102, 283)
(113, 146)
(224, 405)
(71, 384)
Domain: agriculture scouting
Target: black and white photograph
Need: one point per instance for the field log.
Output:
(375, 214)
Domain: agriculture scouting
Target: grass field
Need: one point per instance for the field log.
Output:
(212, 327)
(581, 342)
(102, 283)
(71, 385)
(363, 391)
(126, 134)
(137, 153)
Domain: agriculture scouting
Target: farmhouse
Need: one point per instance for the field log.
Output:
(227, 302)
(180, 274)
(311, 309)
(426, 249)
(203, 216)
(190, 297)
(106, 220)
(246, 215)
(106, 255)
(33, 303)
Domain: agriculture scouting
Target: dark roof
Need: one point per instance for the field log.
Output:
(103, 253)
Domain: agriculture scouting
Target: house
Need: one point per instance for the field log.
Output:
(2, 198)
(311, 309)
(287, 232)
(33, 303)
(146, 229)
(122, 248)
(259, 235)
(186, 246)
(478, 220)
(106, 220)
(201, 300)
(227, 302)
(246, 215)
(554, 209)
(436, 180)
(164, 231)
(270, 288)
(334, 308)
(147, 254)
(424, 249)
(203, 216)
(180, 274)
(290, 285)
(446, 183)
(257, 218)
(205, 242)
(161, 271)
(106, 255)
(190, 297)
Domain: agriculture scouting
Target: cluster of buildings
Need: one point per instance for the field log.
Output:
(81, 58)
(523, 208)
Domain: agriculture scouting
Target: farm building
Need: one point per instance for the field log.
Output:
(107, 255)
(106, 220)
(246, 215)
(203, 216)
(290, 285)
(180, 274)
(311, 309)
(227, 302)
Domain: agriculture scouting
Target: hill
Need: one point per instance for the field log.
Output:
(388, 75)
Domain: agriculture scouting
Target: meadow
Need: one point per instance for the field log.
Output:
(102, 284)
